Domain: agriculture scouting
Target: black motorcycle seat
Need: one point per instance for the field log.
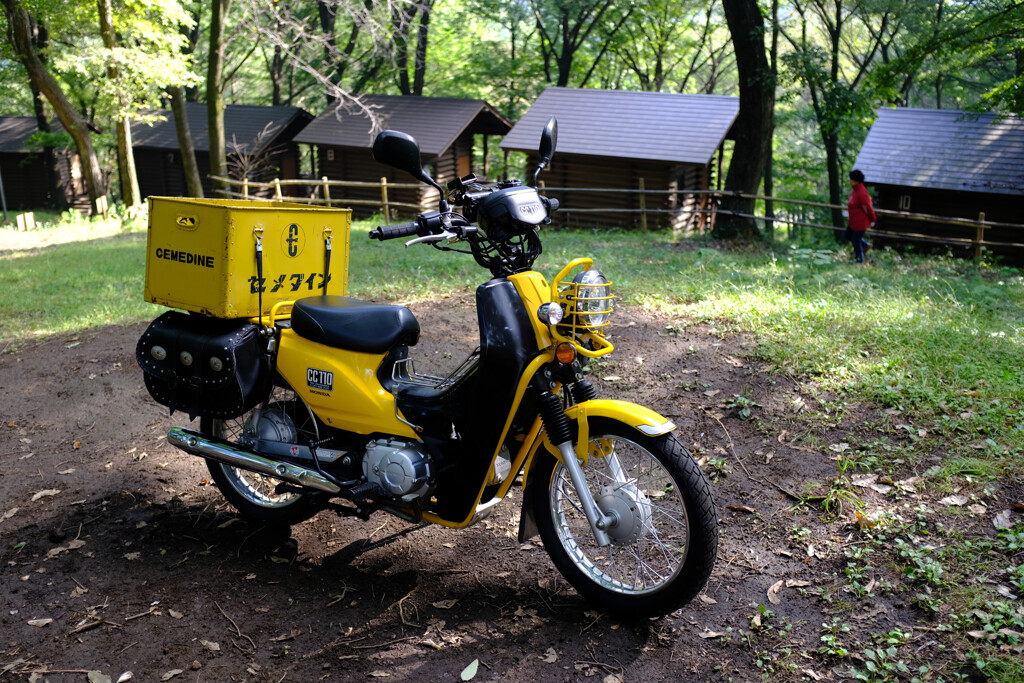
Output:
(354, 325)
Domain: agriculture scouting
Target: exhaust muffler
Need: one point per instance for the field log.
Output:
(230, 454)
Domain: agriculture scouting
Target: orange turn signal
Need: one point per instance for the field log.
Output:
(565, 353)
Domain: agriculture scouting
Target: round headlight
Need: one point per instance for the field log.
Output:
(593, 298)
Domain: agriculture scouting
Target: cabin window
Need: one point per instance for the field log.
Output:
(904, 202)
(330, 155)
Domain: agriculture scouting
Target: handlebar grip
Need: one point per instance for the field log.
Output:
(395, 231)
(552, 204)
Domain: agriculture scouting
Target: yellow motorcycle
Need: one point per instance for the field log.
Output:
(323, 408)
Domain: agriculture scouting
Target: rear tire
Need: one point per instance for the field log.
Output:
(255, 495)
(665, 543)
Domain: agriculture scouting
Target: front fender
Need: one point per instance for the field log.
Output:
(644, 420)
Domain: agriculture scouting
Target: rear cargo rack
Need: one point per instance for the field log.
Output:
(404, 372)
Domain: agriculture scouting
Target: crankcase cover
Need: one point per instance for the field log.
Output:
(400, 468)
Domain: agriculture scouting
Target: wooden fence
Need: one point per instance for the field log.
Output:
(321, 194)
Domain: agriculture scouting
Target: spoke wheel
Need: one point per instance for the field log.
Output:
(254, 495)
(665, 536)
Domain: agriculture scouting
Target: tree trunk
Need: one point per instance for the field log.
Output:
(215, 94)
(755, 122)
(125, 157)
(19, 25)
(420, 66)
(193, 182)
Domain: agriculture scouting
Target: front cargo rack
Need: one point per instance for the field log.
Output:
(404, 372)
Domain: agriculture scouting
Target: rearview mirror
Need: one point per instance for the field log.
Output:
(401, 151)
(548, 141)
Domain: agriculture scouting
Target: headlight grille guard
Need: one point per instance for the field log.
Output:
(583, 303)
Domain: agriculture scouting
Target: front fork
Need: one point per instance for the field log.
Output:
(560, 434)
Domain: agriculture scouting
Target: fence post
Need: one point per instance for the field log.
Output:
(643, 205)
(384, 198)
(327, 190)
(979, 236)
(245, 187)
(277, 189)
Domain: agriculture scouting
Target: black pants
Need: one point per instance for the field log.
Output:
(856, 238)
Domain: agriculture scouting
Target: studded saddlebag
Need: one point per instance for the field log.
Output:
(204, 366)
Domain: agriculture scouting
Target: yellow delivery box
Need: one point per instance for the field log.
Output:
(222, 257)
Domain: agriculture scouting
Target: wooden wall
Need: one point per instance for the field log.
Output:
(1000, 208)
(575, 171)
(25, 184)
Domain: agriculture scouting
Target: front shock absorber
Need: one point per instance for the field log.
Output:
(560, 434)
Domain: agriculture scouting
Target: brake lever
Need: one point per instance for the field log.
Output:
(440, 237)
(445, 236)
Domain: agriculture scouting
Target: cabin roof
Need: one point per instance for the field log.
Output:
(435, 122)
(944, 149)
(628, 124)
(242, 122)
(14, 131)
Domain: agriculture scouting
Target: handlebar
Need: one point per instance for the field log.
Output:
(395, 231)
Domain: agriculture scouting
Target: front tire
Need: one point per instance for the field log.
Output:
(255, 495)
(665, 542)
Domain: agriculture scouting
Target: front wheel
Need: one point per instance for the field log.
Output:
(665, 537)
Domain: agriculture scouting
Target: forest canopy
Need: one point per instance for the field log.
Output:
(829, 64)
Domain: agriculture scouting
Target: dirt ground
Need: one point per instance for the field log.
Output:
(121, 559)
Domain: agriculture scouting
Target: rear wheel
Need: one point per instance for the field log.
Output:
(254, 495)
(665, 538)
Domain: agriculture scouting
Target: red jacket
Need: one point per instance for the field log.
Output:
(862, 214)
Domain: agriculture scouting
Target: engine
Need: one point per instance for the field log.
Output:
(401, 468)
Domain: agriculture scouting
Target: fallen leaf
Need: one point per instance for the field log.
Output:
(381, 674)
(7, 515)
(741, 508)
(712, 392)
(611, 378)
(612, 678)
(98, 677)
(797, 583)
(79, 592)
(957, 500)
(175, 614)
(132, 556)
(40, 622)
(470, 671)
(125, 677)
(171, 674)
(76, 444)
(70, 470)
(773, 593)
(706, 600)
(287, 636)
(1002, 520)
(211, 646)
(550, 656)
(712, 634)
(44, 493)
(445, 604)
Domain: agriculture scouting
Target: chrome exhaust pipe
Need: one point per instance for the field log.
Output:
(230, 454)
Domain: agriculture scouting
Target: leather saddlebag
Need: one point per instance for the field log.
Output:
(206, 366)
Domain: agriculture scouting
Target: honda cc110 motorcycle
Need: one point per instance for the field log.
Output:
(319, 407)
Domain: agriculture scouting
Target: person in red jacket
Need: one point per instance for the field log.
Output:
(861, 213)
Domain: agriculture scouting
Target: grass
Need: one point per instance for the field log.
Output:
(938, 340)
